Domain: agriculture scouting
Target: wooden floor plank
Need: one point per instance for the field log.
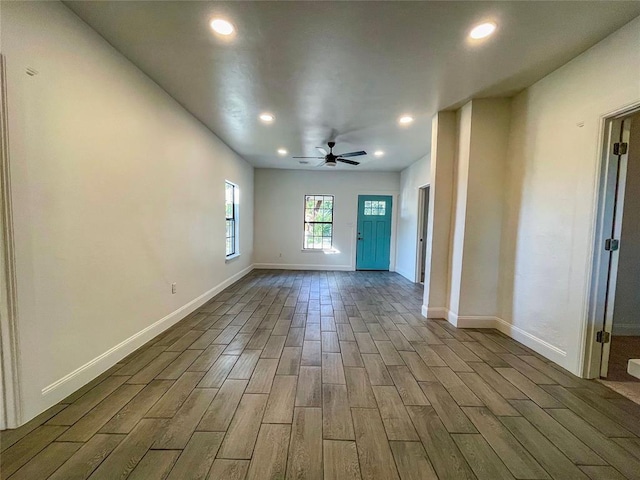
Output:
(305, 448)
(359, 388)
(171, 401)
(127, 417)
(269, 461)
(376, 459)
(229, 469)
(281, 400)
(125, 457)
(547, 455)
(221, 410)
(445, 457)
(448, 410)
(394, 415)
(340, 460)
(87, 458)
(198, 456)
(336, 414)
(243, 368)
(515, 457)
(155, 464)
(309, 388)
(243, 431)
(562, 438)
(176, 432)
(276, 377)
(262, 376)
(46, 462)
(481, 458)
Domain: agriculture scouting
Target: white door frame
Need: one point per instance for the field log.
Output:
(10, 414)
(600, 309)
(422, 190)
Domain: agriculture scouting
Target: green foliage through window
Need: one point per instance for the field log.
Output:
(318, 222)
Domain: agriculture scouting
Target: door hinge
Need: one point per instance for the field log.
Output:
(620, 148)
(611, 244)
(603, 337)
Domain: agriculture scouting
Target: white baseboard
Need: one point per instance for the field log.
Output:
(468, 321)
(544, 348)
(626, 329)
(434, 312)
(540, 346)
(301, 266)
(82, 375)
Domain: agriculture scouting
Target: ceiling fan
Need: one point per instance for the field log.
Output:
(330, 159)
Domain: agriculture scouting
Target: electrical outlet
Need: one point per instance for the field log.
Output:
(174, 288)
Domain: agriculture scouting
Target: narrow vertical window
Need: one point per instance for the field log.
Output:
(318, 222)
(231, 214)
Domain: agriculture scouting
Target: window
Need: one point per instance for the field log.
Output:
(375, 207)
(318, 222)
(231, 214)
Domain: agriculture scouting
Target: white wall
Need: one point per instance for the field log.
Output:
(117, 193)
(412, 178)
(279, 201)
(626, 311)
(551, 192)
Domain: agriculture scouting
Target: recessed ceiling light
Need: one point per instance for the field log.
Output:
(267, 117)
(282, 151)
(378, 153)
(222, 26)
(405, 119)
(482, 31)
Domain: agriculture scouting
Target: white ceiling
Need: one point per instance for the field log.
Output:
(343, 70)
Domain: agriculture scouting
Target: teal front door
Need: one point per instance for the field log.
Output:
(374, 232)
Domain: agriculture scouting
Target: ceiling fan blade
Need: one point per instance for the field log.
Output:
(321, 164)
(353, 154)
(309, 157)
(350, 162)
(322, 151)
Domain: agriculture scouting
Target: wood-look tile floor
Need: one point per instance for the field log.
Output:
(334, 375)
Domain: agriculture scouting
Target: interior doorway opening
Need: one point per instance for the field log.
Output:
(421, 241)
(615, 299)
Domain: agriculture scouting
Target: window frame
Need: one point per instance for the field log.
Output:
(305, 222)
(234, 218)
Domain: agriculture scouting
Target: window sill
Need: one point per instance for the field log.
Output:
(326, 251)
(231, 257)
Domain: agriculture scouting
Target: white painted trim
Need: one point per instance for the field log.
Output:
(590, 351)
(434, 312)
(626, 329)
(544, 348)
(10, 392)
(82, 375)
(475, 321)
(302, 266)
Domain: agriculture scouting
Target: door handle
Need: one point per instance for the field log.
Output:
(359, 237)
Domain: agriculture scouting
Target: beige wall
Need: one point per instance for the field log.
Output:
(411, 179)
(521, 233)
(554, 162)
(279, 215)
(117, 193)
